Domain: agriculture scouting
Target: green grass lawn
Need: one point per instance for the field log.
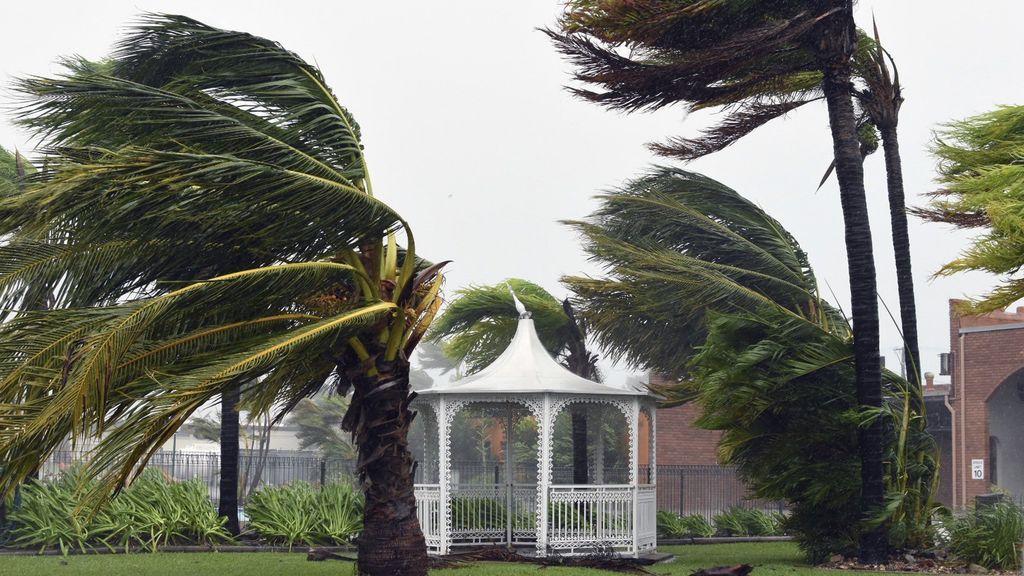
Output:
(770, 559)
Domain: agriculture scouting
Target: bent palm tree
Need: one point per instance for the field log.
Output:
(759, 62)
(205, 219)
(701, 284)
(480, 322)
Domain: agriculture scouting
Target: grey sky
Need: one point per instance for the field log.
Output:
(471, 137)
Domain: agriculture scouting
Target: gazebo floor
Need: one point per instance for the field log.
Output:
(528, 552)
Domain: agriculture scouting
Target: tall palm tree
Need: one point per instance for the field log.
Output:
(981, 174)
(209, 221)
(479, 324)
(880, 99)
(653, 53)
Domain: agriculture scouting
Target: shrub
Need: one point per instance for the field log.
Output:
(989, 536)
(782, 389)
(300, 513)
(151, 512)
(672, 525)
(743, 522)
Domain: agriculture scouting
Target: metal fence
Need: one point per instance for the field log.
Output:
(705, 490)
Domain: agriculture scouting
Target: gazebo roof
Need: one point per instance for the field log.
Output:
(525, 367)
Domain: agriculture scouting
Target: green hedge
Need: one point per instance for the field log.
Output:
(734, 522)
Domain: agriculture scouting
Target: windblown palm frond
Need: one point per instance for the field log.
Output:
(197, 150)
(673, 245)
(981, 173)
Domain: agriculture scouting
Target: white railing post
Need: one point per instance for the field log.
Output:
(634, 469)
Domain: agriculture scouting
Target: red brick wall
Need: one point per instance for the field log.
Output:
(679, 441)
(984, 362)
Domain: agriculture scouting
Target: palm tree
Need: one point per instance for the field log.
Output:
(880, 99)
(732, 54)
(479, 324)
(209, 222)
(700, 283)
(227, 504)
(981, 174)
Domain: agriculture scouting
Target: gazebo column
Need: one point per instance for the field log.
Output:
(634, 468)
(444, 474)
(544, 465)
(594, 415)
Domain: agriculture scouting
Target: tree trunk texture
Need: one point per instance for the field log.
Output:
(580, 466)
(391, 542)
(228, 505)
(901, 247)
(838, 39)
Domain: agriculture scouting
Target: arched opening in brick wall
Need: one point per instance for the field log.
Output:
(1005, 466)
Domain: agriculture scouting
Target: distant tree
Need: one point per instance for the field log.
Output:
(981, 174)
(319, 422)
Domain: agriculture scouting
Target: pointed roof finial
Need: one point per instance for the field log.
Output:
(523, 312)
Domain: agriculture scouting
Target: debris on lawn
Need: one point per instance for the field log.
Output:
(319, 555)
(737, 570)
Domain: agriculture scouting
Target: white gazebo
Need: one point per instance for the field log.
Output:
(507, 508)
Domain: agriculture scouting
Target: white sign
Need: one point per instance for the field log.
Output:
(978, 469)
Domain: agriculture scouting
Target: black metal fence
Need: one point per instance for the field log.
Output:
(705, 490)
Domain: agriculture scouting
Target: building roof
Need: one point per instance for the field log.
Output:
(525, 367)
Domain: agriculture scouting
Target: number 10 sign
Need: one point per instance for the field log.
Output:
(978, 469)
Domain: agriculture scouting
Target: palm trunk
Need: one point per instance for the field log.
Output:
(391, 542)
(901, 247)
(228, 505)
(579, 447)
(837, 45)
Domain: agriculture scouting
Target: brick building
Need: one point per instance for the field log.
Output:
(978, 421)
(679, 441)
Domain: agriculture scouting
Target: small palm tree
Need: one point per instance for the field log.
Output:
(479, 324)
(206, 221)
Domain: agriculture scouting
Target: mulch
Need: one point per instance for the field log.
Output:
(926, 562)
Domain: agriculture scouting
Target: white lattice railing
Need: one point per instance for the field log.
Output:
(647, 518)
(428, 511)
(478, 513)
(581, 516)
(524, 513)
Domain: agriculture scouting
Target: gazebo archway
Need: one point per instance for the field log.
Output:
(508, 508)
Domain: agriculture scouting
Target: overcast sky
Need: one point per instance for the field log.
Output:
(470, 135)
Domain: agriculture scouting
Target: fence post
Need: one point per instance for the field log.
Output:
(682, 491)
(323, 471)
